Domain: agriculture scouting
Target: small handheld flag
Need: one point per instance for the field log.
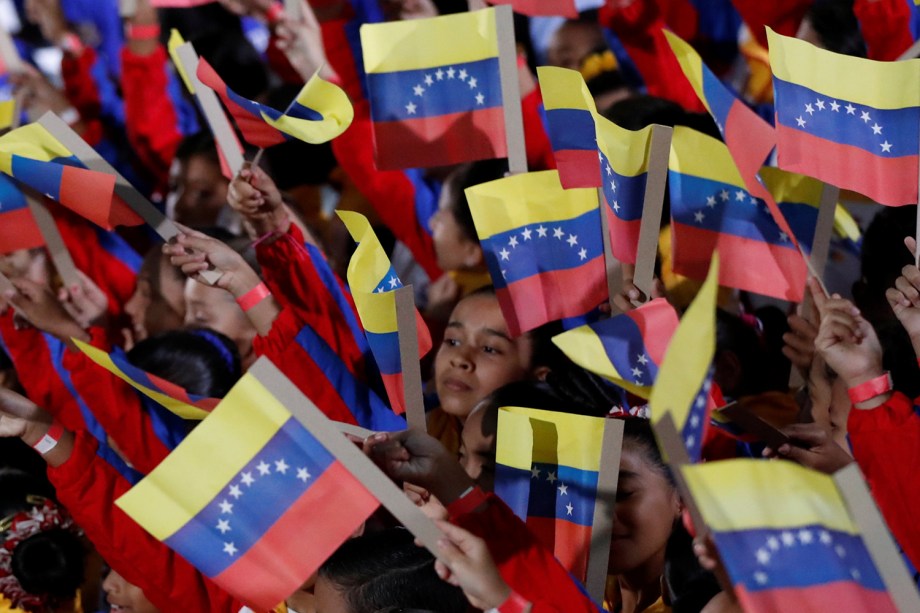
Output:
(18, 229)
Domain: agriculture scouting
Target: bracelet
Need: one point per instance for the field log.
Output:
(253, 297)
(148, 31)
(515, 604)
(275, 13)
(72, 44)
(50, 439)
(871, 388)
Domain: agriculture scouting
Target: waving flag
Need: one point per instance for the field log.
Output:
(786, 538)
(169, 395)
(30, 154)
(18, 229)
(537, 8)
(847, 121)
(710, 208)
(244, 492)
(570, 119)
(799, 198)
(547, 466)
(684, 381)
(435, 90)
(319, 113)
(372, 280)
(543, 247)
(626, 349)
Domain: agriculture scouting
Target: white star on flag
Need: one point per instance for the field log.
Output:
(551, 476)
(558, 233)
(513, 241)
(462, 74)
(541, 232)
(809, 109)
(226, 507)
(223, 525)
(281, 466)
(724, 195)
(535, 472)
(480, 99)
(763, 556)
(851, 110)
(263, 468)
(710, 201)
(419, 90)
(472, 82)
(428, 80)
(247, 479)
(740, 195)
(799, 120)
(876, 129)
(834, 106)
(572, 240)
(235, 491)
(642, 359)
(886, 147)
(450, 73)
(526, 234)
(439, 75)
(569, 508)
(410, 108)
(583, 254)
(230, 549)
(865, 117)
(820, 104)
(303, 474)
(504, 253)
(699, 216)
(394, 282)
(563, 489)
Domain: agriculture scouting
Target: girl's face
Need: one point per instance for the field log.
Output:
(454, 250)
(156, 309)
(646, 508)
(328, 599)
(478, 355)
(124, 597)
(214, 308)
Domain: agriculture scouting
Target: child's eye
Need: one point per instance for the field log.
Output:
(623, 495)
(491, 350)
(451, 342)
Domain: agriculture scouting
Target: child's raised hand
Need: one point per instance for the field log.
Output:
(252, 192)
(845, 340)
(36, 304)
(904, 297)
(194, 253)
(22, 418)
(464, 560)
(85, 301)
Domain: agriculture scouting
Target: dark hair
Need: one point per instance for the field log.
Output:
(637, 112)
(836, 25)
(468, 176)
(200, 360)
(639, 436)
(200, 143)
(691, 586)
(295, 162)
(50, 562)
(385, 571)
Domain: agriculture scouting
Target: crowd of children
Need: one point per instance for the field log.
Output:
(65, 546)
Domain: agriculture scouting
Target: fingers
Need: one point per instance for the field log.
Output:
(16, 404)
(911, 243)
(817, 294)
(812, 434)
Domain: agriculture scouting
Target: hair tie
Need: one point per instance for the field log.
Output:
(220, 346)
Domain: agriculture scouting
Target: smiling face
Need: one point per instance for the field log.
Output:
(124, 597)
(478, 355)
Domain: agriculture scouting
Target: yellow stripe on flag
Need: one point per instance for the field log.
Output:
(425, 43)
(377, 311)
(696, 154)
(626, 150)
(7, 113)
(325, 98)
(249, 416)
(561, 438)
(369, 263)
(792, 187)
(562, 88)
(583, 346)
(691, 63)
(35, 142)
(514, 446)
(176, 41)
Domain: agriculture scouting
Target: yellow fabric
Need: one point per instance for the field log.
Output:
(446, 428)
(612, 599)
(470, 280)
(6, 606)
(681, 289)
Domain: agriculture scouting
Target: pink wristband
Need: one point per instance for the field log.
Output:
(253, 297)
(275, 13)
(72, 44)
(871, 388)
(149, 31)
(50, 440)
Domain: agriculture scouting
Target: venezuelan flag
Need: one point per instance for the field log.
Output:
(18, 229)
(710, 208)
(169, 395)
(547, 466)
(251, 498)
(319, 113)
(626, 349)
(435, 90)
(372, 280)
(684, 384)
(786, 538)
(799, 198)
(570, 119)
(30, 154)
(543, 247)
(624, 162)
(850, 122)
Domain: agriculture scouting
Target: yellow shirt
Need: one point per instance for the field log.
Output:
(612, 599)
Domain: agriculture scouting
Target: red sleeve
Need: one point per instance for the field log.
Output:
(290, 275)
(88, 487)
(536, 140)
(886, 444)
(80, 90)
(117, 407)
(339, 51)
(150, 118)
(640, 27)
(390, 192)
(784, 16)
(885, 26)
(525, 565)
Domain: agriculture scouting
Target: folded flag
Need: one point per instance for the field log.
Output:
(684, 383)
(547, 466)
(372, 281)
(711, 208)
(169, 395)
(319, 113)
(538, 8)
(626, 349)
(434, 87)
(18, 229)
(34, 157)
(570, 119)
(244, 493)
(848, 121)
(799, 198)
(786, 537)
(543, 247)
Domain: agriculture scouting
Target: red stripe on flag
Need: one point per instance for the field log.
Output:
(624, 237)
(536, 8)
(18, 230)
(394, 387)
(747, 264)
(749, 139)
(839, 596)
(552, 295)
(90, 194)
(578, 168)
(442, 140)
(889, 181)
(569, 542)
(300, 541)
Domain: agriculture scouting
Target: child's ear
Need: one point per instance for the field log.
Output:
(540, 373)
(473, 256)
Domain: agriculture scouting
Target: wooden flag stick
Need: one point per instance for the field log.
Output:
(676, 456)
(611, 264)
(407, 331)
(604, 506)
(60, 256)
(353, 430)
(912, 52)
(5, 284)
(294, 9)
(210, 107)
(878, 541)
(655, 182)
(511, 94)
(8, 53)
(127, 8)
(359, 465)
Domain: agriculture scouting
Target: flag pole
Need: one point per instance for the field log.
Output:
(604, 506)
(407, 332)
(655, 183)
(60, 256)
(613, 266)
(511, 95)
